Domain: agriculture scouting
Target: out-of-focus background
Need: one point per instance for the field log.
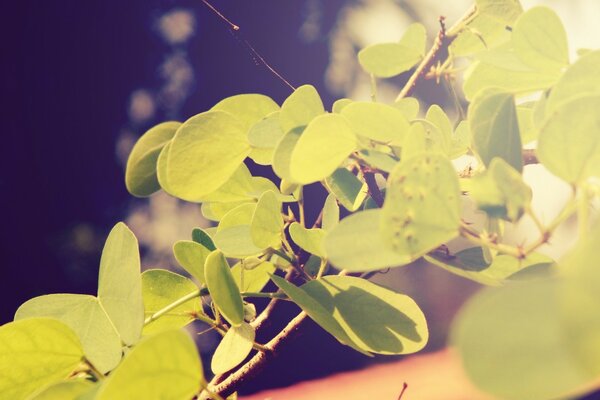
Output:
(81, 80)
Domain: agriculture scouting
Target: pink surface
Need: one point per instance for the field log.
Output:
(433, 376)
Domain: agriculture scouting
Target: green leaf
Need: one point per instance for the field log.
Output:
(34, 353)
(346, 187)
(261, 156)
(580, 79)
(501, 192)
(380, 160)
(247, 108)
(266, 133)
(415, 38)
(569, 144)
(408, 106)
(223, 290)
(385, 60)
(438, 117)
(233, 349)
(339, 105)
(540, 41)
(377, 319)
(67, 390)
(481, 34)
(236, 242)
(526, 124)
(377, 121)
(315, 311)
(120, 283)
(495, 129)
(310, 240)
(200, 236)
(162, 366)
(422, 205)
(241, 215)
(237, 188)
(471, 264)
(485, 76)
(356, 244)
(161, 168)
(253, 280)
(140, 173)
(326, 142)
(205, 152)
(86, 317)
(424, 138)
(283, 154)
(300, 108)
(267, 221)
(506, 11)
(191, 256)
(331, 213)
(161, 288)
(513, 343)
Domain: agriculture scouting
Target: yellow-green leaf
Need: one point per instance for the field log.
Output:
(223, 290)
(140, 173)
(233, 348)
(301, 107)
(34, 353)
(120, 283)
(267, 221)
(191, 256)
(326, 142)
(377, 121)
(162, 366)
(310, 240)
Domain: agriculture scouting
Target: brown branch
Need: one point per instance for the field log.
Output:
(374, 191)
(441, 43)
(256, 364)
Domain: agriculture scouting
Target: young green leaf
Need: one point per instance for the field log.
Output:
(346, 187)
(331, 213)
(240, 215)
(66, 390)
(540, 41)
(356, 244)
(422, 205)
(34, 353)
(471, 264)
(237, 188)
(205, 152)
(506, 11)
(200, 236)
(162, 366)
(568, 143)
(191, 256)
(87, 318)
(316, 311)
(283, 154)
(408, 106)
(266, 133)
(377, 121)
(495, 129)
(481, 34)
(326, 142)
(300, 108)
(140, 173)
(501, 192)
(236, 241)
(233, 349)
(160, 288)
(267, 221)
(223, 290)
(580, 79)
(385, 60)
(383, 161)
(310, 240)
(247, 108)
(339, 105)
(252, 280)
(120, 283)
(415, 38)
(360, 306)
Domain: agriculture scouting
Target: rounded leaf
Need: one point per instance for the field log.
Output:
(205, 152)
(377, 121)
(326, 142)
(34, 353)
(301, 107)
(140, 173)
(163, 366)
(233, 348)
(223, 289)
(191, 256)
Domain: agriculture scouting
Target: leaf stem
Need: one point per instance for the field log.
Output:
(268, 295)
(175, 304)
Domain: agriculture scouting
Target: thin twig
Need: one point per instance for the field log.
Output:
(442, 41)
(374, 191)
